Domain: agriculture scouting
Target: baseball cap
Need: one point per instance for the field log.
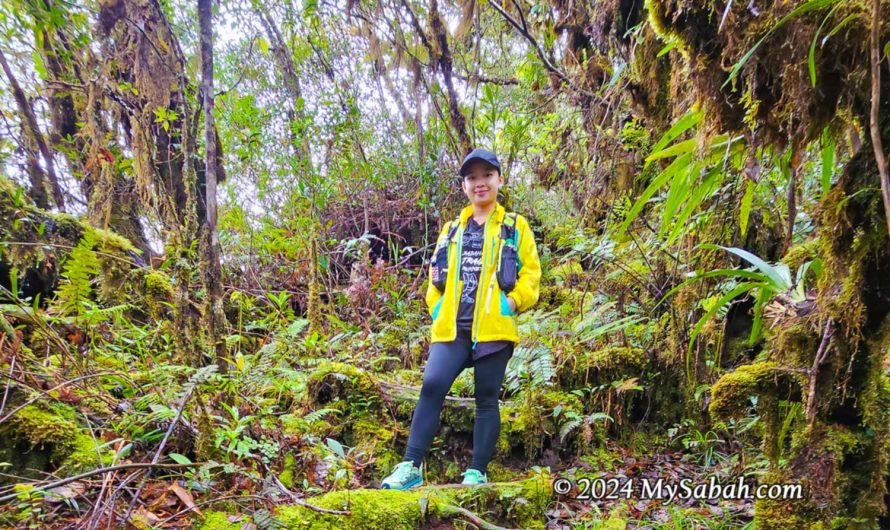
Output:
(479, 154)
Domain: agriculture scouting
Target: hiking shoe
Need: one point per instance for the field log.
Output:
(474, 477)
(406, 475)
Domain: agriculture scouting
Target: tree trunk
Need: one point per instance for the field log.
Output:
(213, 310)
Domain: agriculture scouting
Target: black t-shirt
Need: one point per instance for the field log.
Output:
(470, 271)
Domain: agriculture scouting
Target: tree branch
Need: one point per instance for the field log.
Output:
(30, 125)
(878, 146)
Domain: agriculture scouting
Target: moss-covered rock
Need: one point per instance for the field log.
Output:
(729, 395)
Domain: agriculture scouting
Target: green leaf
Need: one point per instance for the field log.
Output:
(679, 190)
(679, 164)
(687, 121)
(336, 447)
(680, 225)
(828, 149)
(670, 46)
(14, 281)
(39, 67)
(686, 146)
(811, 5)
(296, 327)
(722, 301)
(811, 58)
(179, 459)
(776, 278)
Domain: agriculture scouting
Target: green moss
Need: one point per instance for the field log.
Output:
(287, 476)
(520, 503)
(792, 343)
(614, 357)
(662, 28)
(528, 422)
(53, 430)
(219, 521)
(106, 240)
(802, 253)
(371, 431)
(729, 395)
(330, 379)
(158, 284)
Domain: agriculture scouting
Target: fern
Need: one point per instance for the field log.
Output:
(316, 415)
(568, 427)
(530, 368)
(81, 267)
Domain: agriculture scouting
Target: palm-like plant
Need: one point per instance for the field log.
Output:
(763, 281)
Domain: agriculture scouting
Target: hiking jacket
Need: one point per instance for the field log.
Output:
(492, 317)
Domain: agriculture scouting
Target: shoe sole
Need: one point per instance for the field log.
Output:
(413, 483)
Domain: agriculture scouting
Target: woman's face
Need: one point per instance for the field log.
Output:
(481, 183)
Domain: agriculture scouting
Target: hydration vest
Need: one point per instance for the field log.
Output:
(508, 262)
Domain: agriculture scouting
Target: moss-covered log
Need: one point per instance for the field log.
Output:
(508, 504)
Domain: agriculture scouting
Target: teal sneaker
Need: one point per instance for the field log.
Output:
(474, 477)
(406, 475)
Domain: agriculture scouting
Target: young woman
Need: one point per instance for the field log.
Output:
(484, 271)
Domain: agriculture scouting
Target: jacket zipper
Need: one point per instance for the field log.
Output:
(496, 248)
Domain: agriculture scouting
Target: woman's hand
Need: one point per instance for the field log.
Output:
(512, 304)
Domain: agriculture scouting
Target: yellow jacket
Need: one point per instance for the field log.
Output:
(493, 319)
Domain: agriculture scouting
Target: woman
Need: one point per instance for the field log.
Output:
(485, 270)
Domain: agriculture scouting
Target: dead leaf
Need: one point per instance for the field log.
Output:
(143, 518)
(68, 491)
(185, 497)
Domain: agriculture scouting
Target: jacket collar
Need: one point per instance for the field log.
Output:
(497, 215)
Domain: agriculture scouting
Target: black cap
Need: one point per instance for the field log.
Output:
(480, 154)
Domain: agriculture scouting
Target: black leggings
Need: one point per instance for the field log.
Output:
(446, 361)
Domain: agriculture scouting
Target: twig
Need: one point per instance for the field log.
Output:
(523, 30)
(99, 471)
(243, 69)
(157, 455)
(165, 520)
(821, 353)
(475, 519)
(296, 500)
(70, 247)
(6, 391)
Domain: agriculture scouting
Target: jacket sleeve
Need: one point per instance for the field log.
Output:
(433, 294)
(528, 283)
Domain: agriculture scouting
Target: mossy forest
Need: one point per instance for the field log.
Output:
(219, 221)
